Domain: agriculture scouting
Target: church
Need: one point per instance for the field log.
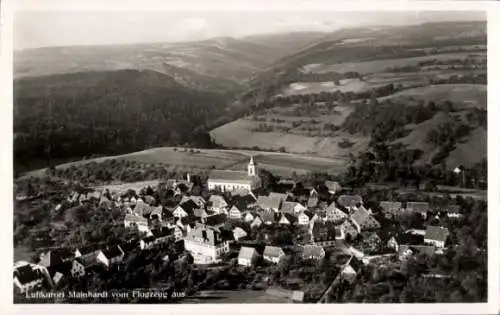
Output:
(228, 180)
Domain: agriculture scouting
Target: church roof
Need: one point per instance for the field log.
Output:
(227, 176)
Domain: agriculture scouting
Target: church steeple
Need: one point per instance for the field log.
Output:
(251, 167)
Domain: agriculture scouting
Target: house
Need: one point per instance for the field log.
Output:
(287, 219)
(392, 243)
(129, 246)
(372, 242)
(147, 242)
(349, 229)
(249, 216)
(268, 217)
(421, 208)
(239, 233)
(312, 252)
(29, 276)
(113, 255)
(185, 209)
(218, 204)
(391, 209)
(279, 196)
(200, 213)
(206, 245)
(334, 214)
(235, 213)
(298, 296)
(268, 203)
(406, 251)
(436, 235)
(55, 257)
(273, 254)
(92, 259)
(243, 201)
(325, 234)
(333, 187)
(312, 202)
(293, 208)
(216, 220)
(350, 271)
(257, 222)
(234, 180)
(187, 223)
(156, 213)
(306, 217)
(248, 256)
(58, 272)
(350, 201)
(364, 220)
(137, 222)
(198, 200)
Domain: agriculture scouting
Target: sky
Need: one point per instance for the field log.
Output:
(42, 28)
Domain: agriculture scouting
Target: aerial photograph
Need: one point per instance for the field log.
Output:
(180, 157)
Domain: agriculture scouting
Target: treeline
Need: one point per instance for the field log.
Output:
(110, 113)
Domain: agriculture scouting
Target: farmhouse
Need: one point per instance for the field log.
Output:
(136, 221)
(248, 256)
(185, 209)
(436, 235)
(363, 219)
(28, 277)
(112, 255)
(205, 244)
(232, 180)
(268, 203)
(293, 208)
(334, 214)
(325, 234)
(273, 254)
(217, 204)
(235, 213)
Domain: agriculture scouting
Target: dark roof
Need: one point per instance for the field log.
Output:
(189, 220)
(326, 231)
(89, 250)
(26, 274)
(349, 200)
(55, 257)
(291, 218)
(89, 260)
(216, 219)
(188, 206)
(149, 239)
(63, 268)
(308, 213)
(113, 251)
(436, 233)
(162, 232)
(242, 201)
(129, 246)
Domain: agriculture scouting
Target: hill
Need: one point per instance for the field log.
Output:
(215, 65)
(80, 114)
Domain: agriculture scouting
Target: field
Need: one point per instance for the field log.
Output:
(366, 67)
(463, 95)
(283, 164)
(346, 85)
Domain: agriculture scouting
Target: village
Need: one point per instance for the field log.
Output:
(234, 226)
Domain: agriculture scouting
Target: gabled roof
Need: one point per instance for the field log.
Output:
(349, 200)
(422, 207)
(266, 202)
(247, 252)
(149, 239)
(308, 213)
(217, 201)
(312, 251)
(331, 185)
(188, 206)
(268, 216)
(26, 274)
(216, 219)
(288, 207)
(238, 232)
(391, 206)
(273, 251)
(188, 220)
(129, 246)
(135, 219)
(228, 176)
(112, 252)
(55, 257)
(90, 259)
(312, 201)
(290, 217)
(63, 268)
(207, 235)
(360, 216)
(436, 233)
(279, 196)
(243, 201)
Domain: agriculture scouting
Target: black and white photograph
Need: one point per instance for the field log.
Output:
(250, 156)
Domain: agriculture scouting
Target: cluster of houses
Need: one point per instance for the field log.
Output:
(200, 224)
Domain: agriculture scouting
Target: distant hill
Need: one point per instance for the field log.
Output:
(107, 112)
(215, 65)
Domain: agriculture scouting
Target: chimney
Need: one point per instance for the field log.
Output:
(188, 177)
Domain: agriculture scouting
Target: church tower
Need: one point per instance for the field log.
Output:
(251, 168)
